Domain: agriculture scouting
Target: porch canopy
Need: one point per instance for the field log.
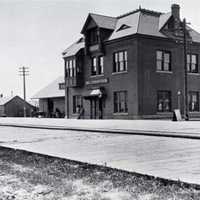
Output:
(98, 93)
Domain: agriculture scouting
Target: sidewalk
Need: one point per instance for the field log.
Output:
(182, 129)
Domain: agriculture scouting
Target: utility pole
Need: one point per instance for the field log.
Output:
(24, 72)
(186, 110)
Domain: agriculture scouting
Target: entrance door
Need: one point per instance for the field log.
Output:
(50, 107)
(96, 108)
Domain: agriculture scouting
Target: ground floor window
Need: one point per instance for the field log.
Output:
(120, 102)
(77, 103)
(163, 101)
(193, 100)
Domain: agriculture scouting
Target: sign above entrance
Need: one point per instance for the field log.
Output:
(93, 82)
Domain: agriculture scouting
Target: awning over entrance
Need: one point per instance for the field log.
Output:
(99, 93)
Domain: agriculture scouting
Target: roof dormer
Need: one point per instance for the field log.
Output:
(99, 21)
(97, 29)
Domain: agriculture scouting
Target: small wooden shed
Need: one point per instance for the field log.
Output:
(14, 107)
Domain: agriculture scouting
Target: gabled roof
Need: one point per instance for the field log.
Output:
(4, 100)
(101, 21)
(51, 90)
(74, 48)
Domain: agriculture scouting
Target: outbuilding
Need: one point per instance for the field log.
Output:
(14, 107)
(52, 99)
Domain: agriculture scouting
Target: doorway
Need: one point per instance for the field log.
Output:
(96, 108)
(50, 107)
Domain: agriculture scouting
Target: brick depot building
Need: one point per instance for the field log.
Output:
(132, 66)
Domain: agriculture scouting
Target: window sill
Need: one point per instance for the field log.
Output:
(164, 113)
(98, 75)
(122, 113)
(123, 72)
(164, 72)
(193, 73)
(70, 77)
(194, 112)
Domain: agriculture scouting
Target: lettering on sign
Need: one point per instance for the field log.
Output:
(98, 81)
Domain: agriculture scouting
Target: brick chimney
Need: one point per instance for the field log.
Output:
(176, 11)
(176, 15)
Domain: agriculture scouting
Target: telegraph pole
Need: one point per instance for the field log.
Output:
(186, 110)
(24, 72)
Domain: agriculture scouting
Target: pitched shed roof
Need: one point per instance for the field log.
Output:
(51, 90)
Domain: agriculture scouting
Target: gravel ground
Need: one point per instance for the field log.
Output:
(25, 175)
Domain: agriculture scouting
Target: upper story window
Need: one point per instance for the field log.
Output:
(192, 63)
(70, 68)
(120, 61)
(163, 61)
(101, 64)
(94, 66)
(163, 101)
(193, 100)
(93, 36)
(120, 102)
(97, 67)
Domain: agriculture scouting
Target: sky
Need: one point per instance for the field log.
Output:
(34, 33)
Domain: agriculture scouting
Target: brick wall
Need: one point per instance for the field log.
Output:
(142, 81)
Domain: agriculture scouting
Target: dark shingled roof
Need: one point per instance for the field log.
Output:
(146, 22)
(104, 21)
(101, 21)
(140, 21)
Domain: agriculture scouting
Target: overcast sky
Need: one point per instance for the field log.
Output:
(34, 33)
